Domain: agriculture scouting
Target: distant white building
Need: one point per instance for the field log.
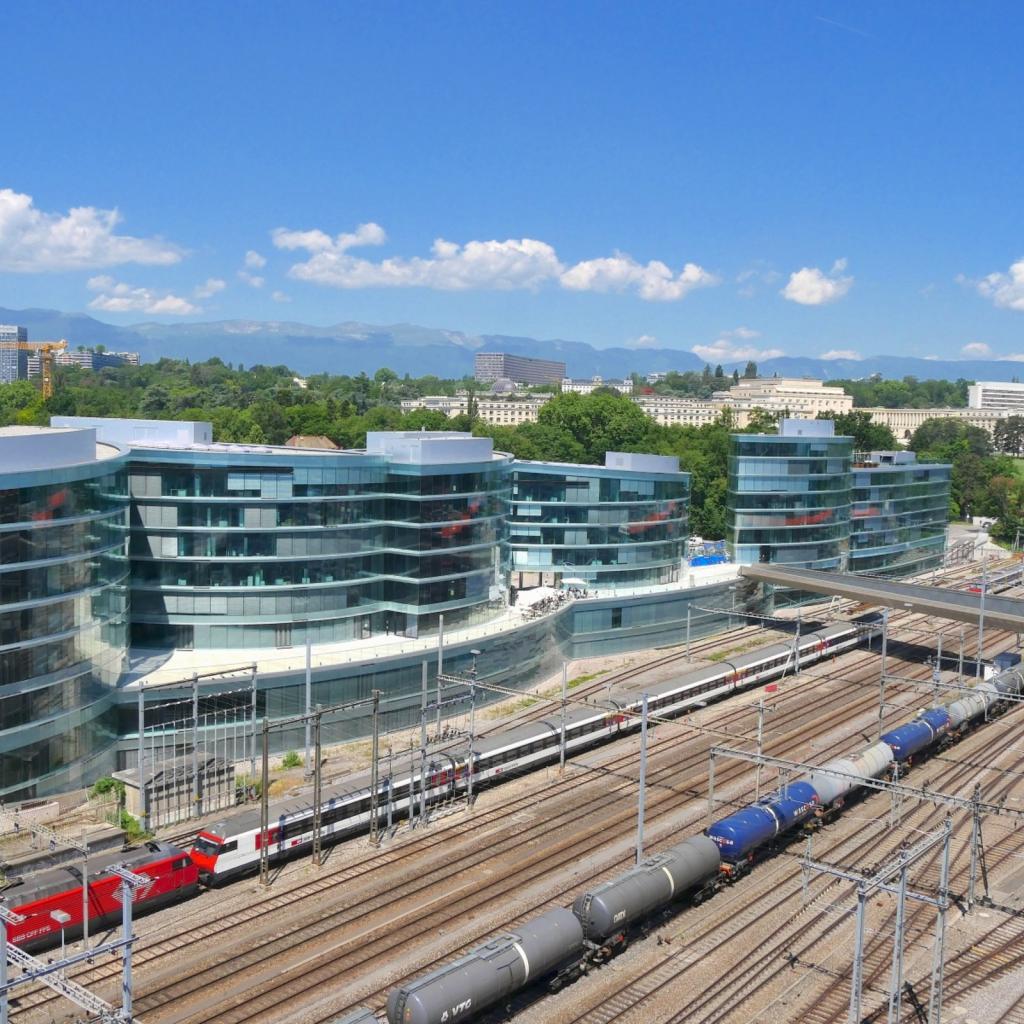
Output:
(587, 386)
(993, 394)
(502, 412)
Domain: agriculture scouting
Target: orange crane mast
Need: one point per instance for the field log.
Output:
(45, 350)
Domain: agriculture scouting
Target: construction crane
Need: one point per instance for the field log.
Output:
(45, 350)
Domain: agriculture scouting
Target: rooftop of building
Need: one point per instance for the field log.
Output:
(25, 449)
(615, 463)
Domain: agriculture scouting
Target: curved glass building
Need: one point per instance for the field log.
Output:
(789, 496)
(899, 515)
(622, 524)
(63, 607)
(252, 546)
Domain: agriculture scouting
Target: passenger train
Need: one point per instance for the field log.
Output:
(231, 848)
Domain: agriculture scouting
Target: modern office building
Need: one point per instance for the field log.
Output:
(899, 514)
(789, 496)
(224, 559)
(255, 546)
(622, 524)
(996, 394)
(13, 362)
(490, 366)
(63, 606)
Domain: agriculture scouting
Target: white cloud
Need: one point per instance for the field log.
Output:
(254, 261)
(211, 286)
(280, 296)
(252, 280)
(516, 263)
(118, 297)
(32, 241)
(728, 348)
(1005, 290)
(653, 281)
(810, 286)
(841, 353)
(976, 349)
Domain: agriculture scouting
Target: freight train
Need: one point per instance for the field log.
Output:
(562, 944)
(231, 848)
(172, 874)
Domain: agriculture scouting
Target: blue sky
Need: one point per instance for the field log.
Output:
(751, 177)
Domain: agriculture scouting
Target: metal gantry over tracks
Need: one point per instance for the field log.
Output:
(53, 973)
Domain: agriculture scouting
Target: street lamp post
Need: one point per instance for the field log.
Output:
(62, 917)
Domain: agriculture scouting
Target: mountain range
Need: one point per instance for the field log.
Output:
(407, 348)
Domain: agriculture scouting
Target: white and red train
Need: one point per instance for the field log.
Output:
(231, 848)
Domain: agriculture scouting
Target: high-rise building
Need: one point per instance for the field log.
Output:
(490, 366)
(13, 362)
(86, 358)
(899, 514)
(994, 394)
(789, 496)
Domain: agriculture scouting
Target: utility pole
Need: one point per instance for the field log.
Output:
(317, 787)
(857, 978)
(896, 982)
(643, 782)
(976, 853)
(195, 746)
(252, 727)
(687, 632)
(761, 709)
(6, 917)
(374, 787)
(939, 945)
(565, 691)
(309, 692)
(960, 669)
(440, 669)
(472, 731)
(265, 809)
(881, 680)
(143, 802)
(423, 749)
(981, 620)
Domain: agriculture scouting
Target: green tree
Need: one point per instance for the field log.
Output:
(867, 435)
(751, 370)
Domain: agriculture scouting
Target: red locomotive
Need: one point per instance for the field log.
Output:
(35, 897)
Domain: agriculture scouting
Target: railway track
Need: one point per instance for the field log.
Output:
(729, 995)
(439, 836)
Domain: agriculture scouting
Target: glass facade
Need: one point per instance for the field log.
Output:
(900, 514)
(239, 547)
(63, 618)
(789, 499)
(611, 526)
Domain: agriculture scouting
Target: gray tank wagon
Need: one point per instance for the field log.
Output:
(613, 906)
(482, 978)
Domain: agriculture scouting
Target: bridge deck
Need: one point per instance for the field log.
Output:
(958, 605)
